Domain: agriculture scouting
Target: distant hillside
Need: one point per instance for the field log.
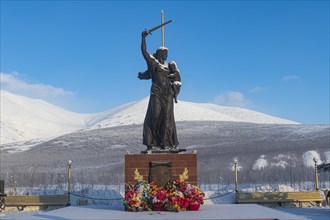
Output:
(282, 151)
(25, 119)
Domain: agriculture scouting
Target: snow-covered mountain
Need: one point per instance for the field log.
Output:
(24, 119)
(134, 113)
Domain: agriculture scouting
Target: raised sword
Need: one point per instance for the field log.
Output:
(159, 26)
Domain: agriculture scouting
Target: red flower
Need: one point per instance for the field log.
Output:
(184, 203)
(183, 188)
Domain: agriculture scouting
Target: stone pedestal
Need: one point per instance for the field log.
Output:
(178, 162)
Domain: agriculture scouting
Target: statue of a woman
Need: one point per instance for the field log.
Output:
(159, 130)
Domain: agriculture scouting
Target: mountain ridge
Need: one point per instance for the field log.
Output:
(134, 113)
(26, 119)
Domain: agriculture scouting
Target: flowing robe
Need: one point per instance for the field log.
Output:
(159, 129)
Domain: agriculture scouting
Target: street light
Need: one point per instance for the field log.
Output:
(69, 177)
(236, 177)
(316, 174)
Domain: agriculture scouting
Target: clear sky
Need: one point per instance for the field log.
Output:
(268, 56)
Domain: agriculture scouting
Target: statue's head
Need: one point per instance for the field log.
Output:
(161, 53)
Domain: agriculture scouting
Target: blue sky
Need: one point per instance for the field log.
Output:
(268, 56)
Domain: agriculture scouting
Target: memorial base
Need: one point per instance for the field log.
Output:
(178, 161)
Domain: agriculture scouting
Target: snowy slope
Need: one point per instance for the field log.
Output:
(134, 113)
(25, 119)
(246, 115)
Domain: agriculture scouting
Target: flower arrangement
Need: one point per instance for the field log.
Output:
(132, 201)
(184, 196)
(137, 198)
(158, 194)
(195, 196)
(174, 196)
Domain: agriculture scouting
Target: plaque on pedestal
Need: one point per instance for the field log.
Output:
(160, 172)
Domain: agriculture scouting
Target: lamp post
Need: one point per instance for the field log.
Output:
(236, 177)
(69, 178)
(316, 174)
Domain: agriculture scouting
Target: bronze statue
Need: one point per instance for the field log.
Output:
(159, 129)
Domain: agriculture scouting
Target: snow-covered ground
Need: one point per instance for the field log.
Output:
(105, 202)
(219, 211)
